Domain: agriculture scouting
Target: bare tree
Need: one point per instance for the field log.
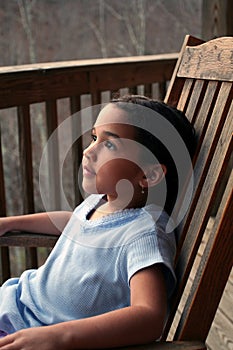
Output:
(25, 9)
(133, 17)
(129, 15)
(99, 28)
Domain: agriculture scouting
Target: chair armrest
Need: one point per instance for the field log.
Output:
(27, 239)
(176, 345)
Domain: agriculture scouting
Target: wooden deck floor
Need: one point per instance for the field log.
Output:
(221, 333)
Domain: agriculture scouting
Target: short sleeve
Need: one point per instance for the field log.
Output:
(150, 249)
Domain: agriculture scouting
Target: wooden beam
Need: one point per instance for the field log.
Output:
(217, 18)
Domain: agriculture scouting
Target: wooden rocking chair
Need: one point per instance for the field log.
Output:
(201, 86)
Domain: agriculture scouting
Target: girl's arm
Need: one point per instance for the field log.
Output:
(47, 222)
(141, 322)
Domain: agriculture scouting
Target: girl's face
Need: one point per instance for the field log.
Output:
(113, 155)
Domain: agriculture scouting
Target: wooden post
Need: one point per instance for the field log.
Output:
(53, 156)
(4, 251)
(75, 106)
(217, 18)
(26, 168)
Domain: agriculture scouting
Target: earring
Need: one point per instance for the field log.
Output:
(142, 190)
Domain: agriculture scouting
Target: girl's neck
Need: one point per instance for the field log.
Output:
(109, 206)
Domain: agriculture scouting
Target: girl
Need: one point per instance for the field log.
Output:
(107, 280)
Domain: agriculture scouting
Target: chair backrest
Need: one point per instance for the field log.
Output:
(201, 86)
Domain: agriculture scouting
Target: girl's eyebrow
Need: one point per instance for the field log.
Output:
(109, 133)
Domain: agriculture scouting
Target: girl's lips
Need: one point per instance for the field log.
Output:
(88, 171)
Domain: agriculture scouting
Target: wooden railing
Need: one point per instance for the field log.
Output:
(39, 97)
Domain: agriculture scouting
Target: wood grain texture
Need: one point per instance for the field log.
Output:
(219, 55)
(220, 336)
(179, 345)
(27, 239)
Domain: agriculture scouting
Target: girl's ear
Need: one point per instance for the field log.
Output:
(154, 174)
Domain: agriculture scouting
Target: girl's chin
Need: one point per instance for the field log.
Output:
(89, 189)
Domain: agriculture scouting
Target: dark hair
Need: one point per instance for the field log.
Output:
(175, 118)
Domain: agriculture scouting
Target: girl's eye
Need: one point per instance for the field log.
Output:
(93, 137)
(110, 145)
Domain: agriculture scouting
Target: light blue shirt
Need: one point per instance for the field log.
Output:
(89, 270)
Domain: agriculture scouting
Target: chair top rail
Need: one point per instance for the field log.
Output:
(191, 64)
(218, 54)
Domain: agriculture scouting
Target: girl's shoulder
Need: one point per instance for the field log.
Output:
(88, 204)
(164, 222)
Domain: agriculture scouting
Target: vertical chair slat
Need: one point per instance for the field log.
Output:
(194, 100)
(25, 153)
(206, 108)
(184, 97)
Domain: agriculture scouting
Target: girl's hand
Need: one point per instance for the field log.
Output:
(42, 338)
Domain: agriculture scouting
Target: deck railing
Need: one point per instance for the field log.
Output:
(34, 100)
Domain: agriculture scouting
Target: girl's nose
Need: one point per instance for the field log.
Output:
(90, 152)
